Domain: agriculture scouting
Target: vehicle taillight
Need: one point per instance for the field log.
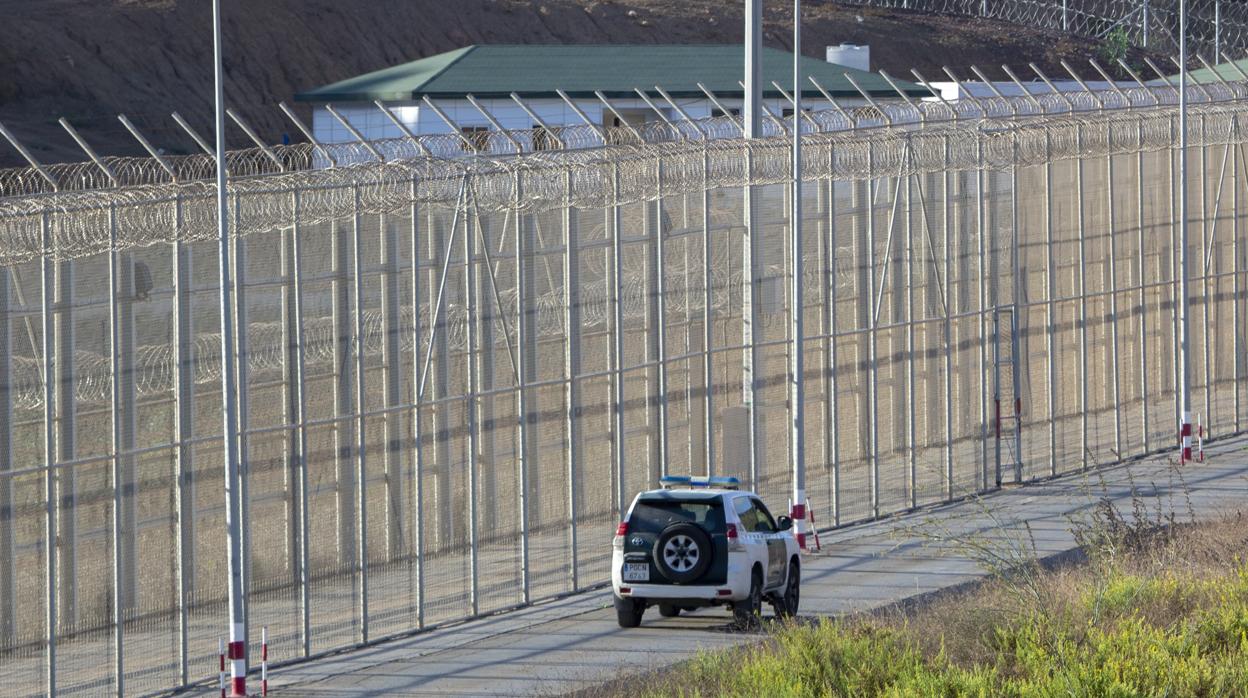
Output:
(620, 532)
(734, 541)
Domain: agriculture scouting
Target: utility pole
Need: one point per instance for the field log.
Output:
(797, 309)
(752, 250)
(233, 503)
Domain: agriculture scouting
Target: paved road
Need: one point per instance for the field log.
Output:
(574, 642)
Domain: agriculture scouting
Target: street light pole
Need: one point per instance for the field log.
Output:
(233, 504)
(797, 309)
(1185, 368)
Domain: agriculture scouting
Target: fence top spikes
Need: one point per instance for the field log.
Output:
(203, 145)
(30, 159)
(307, 133)
(155, 155)
(86, 148)
(1052, 88)
(1023, 88)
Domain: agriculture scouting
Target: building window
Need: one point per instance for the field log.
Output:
(715, 112)
(477, 136)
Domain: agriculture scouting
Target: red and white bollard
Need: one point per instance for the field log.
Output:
(264, 661)
(797, 512)
(221, 665)
(237, 654)
(814, 529)
(1185, 436)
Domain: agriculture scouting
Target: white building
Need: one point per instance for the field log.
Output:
(519, 86)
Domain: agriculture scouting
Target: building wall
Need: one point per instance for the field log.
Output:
(374, 125)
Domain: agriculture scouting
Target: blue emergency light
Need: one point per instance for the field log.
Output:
(670, 482)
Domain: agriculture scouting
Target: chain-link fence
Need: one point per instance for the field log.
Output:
(454, 373)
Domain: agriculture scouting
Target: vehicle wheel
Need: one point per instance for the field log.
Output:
(668, 611)
(785, 602)
(747, 613)
(629, 612)
(682, 552)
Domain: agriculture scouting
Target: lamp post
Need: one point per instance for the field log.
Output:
(237, 648)
(797, 392)
(1185, 368)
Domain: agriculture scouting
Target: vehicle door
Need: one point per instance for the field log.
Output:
(775, 539)
(760, 533)
(755, 541)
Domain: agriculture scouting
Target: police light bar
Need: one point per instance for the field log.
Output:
(670, 482)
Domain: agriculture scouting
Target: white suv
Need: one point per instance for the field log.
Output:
(701, 542)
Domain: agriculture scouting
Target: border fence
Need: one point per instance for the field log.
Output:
(455, 372)
(1213, 26)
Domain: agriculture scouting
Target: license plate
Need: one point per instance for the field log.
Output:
(636, 571)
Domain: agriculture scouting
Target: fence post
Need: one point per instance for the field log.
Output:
(121, 290)
(242, 372)
(1207, 299)
(438, 240)
(1083, 302)
(912, 472)
(472, 226)
(828, 301)
(343, 438)
(708, 321)
(66, 421)
(1051, 314)
(617, 345)
(8, 560)
(572, 369)
(391, 319)
(295, 369)
(418, 449)
(49, 459)
(1113, 306)
(1235, 264)
(361, 404)
(981, 207)
(949, 307)
(873, 384)
(526, 350)
(485, 320)
(656, 331)
(184, 390)
(1141, 273)
(752, 266)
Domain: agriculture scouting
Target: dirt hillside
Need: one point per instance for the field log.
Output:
(89, 60)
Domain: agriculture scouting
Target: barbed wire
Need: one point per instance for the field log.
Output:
(870, 142)
(1214, 27)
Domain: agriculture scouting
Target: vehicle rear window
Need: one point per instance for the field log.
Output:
(654, 515)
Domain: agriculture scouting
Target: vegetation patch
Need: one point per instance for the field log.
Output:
(1157, 608)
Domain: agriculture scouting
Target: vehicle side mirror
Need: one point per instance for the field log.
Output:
(784, 523)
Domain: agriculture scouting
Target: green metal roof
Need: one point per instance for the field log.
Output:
(537, 70)
(1231, 72)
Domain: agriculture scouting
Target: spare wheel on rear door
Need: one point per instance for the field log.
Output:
(683, 552)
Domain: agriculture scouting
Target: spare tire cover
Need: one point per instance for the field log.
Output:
(683, 552)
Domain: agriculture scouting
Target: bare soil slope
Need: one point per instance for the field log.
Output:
(89, 60)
